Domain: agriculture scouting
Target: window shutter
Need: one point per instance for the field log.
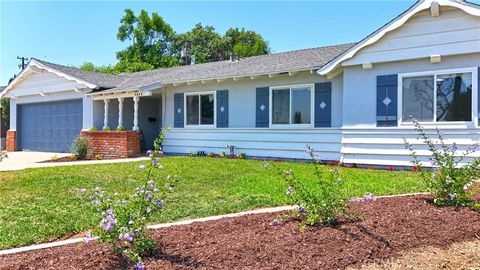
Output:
(262, 107)
(178, 110)
(478, 93)
(387, 100)
(222, 108)
(323, 104)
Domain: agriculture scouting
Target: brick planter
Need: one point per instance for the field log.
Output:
(112, 144)
(11, 141)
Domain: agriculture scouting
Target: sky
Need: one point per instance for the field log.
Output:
(71, 32)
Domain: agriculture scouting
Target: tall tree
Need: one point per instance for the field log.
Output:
(245, 43)
(151, 39)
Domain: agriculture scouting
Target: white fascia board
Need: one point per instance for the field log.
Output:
(29, 68)
(150, 87)
(421, 5)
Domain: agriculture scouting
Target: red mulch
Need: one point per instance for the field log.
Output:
(388, 226)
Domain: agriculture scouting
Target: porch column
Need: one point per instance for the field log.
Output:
(135, 113)
(105, 113)
(120, 112)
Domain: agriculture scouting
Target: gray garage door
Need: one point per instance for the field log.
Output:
(49, 127)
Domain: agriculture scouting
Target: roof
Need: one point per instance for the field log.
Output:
(298, 60)
(470, 8)
(101, 80)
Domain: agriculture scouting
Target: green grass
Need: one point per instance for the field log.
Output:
(42, 204)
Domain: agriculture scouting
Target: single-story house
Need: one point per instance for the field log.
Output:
(351, 102)
(3, 126)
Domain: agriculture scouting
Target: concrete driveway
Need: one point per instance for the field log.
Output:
(22, 160)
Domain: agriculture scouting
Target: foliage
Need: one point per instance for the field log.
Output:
(151, 39)
(45, 199)
(93, 129)
(107, 129)
(320, 204)
(79, 147)
(5, 116)
(123, 222)
(222, 154)
(54, 157)
(450, 180)
(3, 154)
(154, 44)
(241, 156)
(211, 155)
(98, 157)
(120, 128)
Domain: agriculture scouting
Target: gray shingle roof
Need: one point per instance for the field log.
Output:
(258, 65)
(102, 80)
(305, 59)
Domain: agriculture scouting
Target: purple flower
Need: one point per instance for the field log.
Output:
(154, 162)
(309, 150)
(96, 202)
(88, 235)
(108, 227)
(453, 147)
(139, 266)
(149, 153)
(452, 196)
(160, 153)
(276, 222)
(289, 191)
(352, 199)
(301, 209)
(160, 203)
(82, 191)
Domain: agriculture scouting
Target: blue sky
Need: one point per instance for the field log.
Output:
(72, 33)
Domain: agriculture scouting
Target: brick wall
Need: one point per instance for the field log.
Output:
(112, 144)
(11, 141)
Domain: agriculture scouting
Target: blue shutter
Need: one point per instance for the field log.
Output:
(178, 110)
(323, 104)
(262, 107)
(387, 101)
(222, 108)
(478, 92)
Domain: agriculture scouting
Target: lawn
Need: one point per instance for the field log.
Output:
(38, 205)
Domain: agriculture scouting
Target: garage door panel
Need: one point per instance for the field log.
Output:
(49, 127)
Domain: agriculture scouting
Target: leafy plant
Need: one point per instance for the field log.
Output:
(222, 154)
(318, 204)
(241, 156)
(123, 222)
(212, 155)
(93, 129)
(79, 147)
(120, 128)
(98, 157)
(54, 157)
(449, 181)
(107, 129)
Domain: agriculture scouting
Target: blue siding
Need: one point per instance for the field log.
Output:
(387, 100)
(49, 127)
(178, 110)
(262, 107)
(323, 104)
(222, 108)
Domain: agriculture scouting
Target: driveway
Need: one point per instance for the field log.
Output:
(22, 160)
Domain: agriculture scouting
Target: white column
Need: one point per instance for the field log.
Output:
(120, 112)
(135, 113)
(105, 113)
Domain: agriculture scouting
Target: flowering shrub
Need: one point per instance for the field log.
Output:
(449, 181)
(322, 203)
(3, 154)
(222, 154)
(123, 222)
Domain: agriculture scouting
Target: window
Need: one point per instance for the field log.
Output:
(291, 105)
(200, 109)
(438, 97)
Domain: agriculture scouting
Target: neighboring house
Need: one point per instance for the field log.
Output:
(350, 102)
(3, 125)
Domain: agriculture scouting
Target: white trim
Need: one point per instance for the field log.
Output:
(29, 68)
(202, 93)
(473, 70)
(290, 87)
(471, 9)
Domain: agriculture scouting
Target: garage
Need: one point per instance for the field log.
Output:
(48, 126)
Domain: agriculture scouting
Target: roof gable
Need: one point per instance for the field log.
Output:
(396, 23)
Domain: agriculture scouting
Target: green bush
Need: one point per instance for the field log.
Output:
(79, 147)
(93, 129)
(451, 178)
(107, 129)
(120, 128)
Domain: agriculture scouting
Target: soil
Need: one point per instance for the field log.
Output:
(388, 228)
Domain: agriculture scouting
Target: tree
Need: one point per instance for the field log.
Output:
(201, 41)
(151, 36)
(245, 43)
(118, 68)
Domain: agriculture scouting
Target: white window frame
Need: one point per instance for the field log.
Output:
(214, 93)
(435, 73)
(312, 99)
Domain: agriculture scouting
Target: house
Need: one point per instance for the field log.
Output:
(350, 102)
(3, 125)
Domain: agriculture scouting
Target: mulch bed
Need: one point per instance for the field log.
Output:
(388, 226)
